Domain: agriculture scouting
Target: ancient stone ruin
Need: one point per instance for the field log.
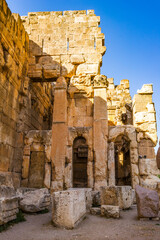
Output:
(64, 125)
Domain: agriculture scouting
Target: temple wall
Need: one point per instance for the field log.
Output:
(36, 166)
(144, 115)
(119, 103)
(64, 43)
(41, 106)
(14, 46)
(24, 105)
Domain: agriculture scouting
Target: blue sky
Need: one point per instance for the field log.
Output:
(132, 37)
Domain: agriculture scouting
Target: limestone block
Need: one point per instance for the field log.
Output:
(26, 150)
(7, 192)
(117, 196)
(35, 201)
(148, 167)
(47, 178)
(69, 208)
(134, 155)
(6, 179)
(25, 166)
(51, 70)
(8, 209)
(110, 211)
(150, 107)
(116, 131)
(147, 202)
(77, 59)
(84, 80)
(48, 153)
(111, 164)
(100, 81)
(93, 58)
(142, 117)
(146, 89)
(84, 68)
(125, 83)
(16, 177)
(140, 102)
(35, 71)
(8, 204)
(135, 170)
(149, 181)
(95, 211)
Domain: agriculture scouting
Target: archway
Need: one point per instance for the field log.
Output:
(122, 161)
(80, 159)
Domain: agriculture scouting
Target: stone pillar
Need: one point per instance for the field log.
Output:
(111, 164)
(59, 134)
(100, 135)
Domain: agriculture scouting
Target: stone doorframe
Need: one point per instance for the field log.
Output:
(74, 132)
(130, 132)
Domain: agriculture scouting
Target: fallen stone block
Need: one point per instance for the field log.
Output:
(8, 204)
(109, 211)
(147, 202)
(121, 196)
(95, 211)
(88, 196)
(35, 201)
(69, 208)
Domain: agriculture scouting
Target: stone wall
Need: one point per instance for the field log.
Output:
(119, 103)
(14, 46)
(144, 115)
(24, 105)
(36, 166)
(41, 106)
(64, 43)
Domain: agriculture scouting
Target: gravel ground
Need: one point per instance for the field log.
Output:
(39, 227)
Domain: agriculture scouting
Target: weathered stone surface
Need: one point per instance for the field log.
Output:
(88, 196)
(117, 196)
(149, 182)
(63, 53)
(88, 193)
(8, 204)
(147, 203)
(96, 198)
(110, 211)
(85, 104)
(144, 117)
(69, 208)
(35, 201)
(148, 167)
(6, 179)
(47, 178)
(95, 211)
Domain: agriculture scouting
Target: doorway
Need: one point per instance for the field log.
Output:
(80, 159)
(122, 161)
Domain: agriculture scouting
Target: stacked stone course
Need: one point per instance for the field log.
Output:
(58, 115)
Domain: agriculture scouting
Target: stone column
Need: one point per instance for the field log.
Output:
(111, 164)
(59, 134)
(100, 135)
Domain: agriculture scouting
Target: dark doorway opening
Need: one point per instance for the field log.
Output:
(122, 161)
(80, 159)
